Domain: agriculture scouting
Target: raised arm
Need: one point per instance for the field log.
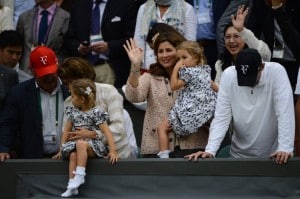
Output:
(224, 20)
(248, 36)
(136, 56)
(239, 21)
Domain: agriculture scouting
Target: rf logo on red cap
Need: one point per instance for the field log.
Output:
(44, 60)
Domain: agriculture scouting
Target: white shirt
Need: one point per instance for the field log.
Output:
(51, 110)
(297, 89)
(263, 121)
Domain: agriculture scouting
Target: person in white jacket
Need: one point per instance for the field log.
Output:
(176, 13)
(237, 38)
(6, 18)
(258, 97)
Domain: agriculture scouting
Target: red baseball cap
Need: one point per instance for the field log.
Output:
(43, 61)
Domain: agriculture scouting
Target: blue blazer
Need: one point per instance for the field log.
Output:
(21, 122)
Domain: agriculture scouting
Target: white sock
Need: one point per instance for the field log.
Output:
(80, 170)
(164, 154)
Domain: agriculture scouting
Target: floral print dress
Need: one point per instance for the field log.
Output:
(89, 120)
(196, 102)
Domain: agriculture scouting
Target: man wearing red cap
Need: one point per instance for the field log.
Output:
(32, 118)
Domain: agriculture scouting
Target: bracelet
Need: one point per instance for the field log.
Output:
(276, 7)
(135, 71)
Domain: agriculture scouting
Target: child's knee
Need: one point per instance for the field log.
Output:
(81, 144)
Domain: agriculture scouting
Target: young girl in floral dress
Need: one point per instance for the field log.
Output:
(84, 114)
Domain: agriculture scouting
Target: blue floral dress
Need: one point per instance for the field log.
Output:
(89, 120)
(196, 102)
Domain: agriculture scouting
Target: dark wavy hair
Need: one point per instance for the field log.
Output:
(159, 28)
(225, 57)
(174, 39)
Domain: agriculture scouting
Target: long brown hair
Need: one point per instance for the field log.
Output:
(174, 39)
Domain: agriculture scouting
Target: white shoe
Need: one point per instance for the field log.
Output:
(69, 193)
(76, 182)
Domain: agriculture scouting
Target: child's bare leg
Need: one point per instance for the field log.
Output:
(163, 131)
(72, 164)
(81, 157)
(82, 152)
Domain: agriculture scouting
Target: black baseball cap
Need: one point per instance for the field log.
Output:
(247, 65)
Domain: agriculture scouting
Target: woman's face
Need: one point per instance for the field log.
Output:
(166, 55)
(233, 41)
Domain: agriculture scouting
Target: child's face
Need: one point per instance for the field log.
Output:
(77, 101)
(185, 57)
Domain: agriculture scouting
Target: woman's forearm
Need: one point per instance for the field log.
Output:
(134, 75)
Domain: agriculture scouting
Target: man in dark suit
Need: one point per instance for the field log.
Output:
(104, 49)
(52, 35)
(31, 123)
(8, 78)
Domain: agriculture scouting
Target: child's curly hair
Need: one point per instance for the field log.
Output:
(194, 49)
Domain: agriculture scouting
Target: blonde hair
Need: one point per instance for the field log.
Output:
(85, 88)
(194, 49)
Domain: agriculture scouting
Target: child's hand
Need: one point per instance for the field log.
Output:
(214, 86)
(58, 156)
(179, 64)
(113, 157)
